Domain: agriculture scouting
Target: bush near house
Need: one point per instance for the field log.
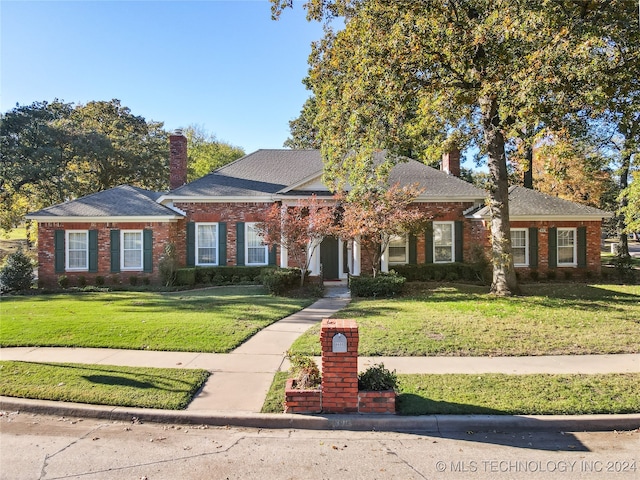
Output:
(17, 273)
(221, 275)
(382, 285)
(281, 280)
(452, 272)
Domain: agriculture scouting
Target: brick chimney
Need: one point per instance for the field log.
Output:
(451, 162)
(177, 160)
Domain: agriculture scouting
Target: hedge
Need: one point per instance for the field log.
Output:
(383, 285)
(220, 275)
(451, 272)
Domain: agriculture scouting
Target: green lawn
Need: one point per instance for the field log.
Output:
(464, 320)
(212, 320)
(498, 394)
(167, 388)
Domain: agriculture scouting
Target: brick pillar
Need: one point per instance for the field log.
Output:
(451, 162)
(339, 367)
(177, 159)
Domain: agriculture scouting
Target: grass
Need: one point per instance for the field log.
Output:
(499, 394)
(464, 320)
(212, 320)
(166, 388)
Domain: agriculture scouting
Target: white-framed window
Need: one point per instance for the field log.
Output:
(398, 247)
(206, 244)
(256, 252)
(567, 247)
(520, 246)
(131, 249)
(77, 250)
(443, 242)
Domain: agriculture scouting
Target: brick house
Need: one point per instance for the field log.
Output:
(122, 232)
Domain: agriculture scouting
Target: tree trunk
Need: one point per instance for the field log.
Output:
(504, 276)
(623, 239)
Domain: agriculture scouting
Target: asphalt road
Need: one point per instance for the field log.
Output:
(43, 447)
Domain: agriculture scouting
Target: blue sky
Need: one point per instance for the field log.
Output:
(222, 65)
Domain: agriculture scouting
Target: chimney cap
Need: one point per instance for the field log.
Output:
(178, 132)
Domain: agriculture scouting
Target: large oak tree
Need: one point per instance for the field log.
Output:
(491, 66)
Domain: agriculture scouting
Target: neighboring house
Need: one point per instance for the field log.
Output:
(122, 232)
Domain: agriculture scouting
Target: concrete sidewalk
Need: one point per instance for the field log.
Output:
(240, 380)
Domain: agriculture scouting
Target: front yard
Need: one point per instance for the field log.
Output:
(213, 320)
(464, 320)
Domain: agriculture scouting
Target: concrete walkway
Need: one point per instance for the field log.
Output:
(240, 380)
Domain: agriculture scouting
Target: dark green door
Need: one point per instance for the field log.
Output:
(329, 258)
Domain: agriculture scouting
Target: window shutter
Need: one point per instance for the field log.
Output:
(582, 247)
(147, 251)
(413, 249)
(273, 252)
(240, 243)
(115, 251)
(458, 247)
(533, 247)
(93, 251)
(222, 244)
(553, 247)
(58, 247)
(191, 244)
(428, 243)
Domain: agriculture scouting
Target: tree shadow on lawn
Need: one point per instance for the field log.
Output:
(543, 439)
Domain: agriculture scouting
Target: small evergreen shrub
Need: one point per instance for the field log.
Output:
(168, 265)
(304, 371)
(17, 273)
(451, 272)
(186, 276)
(82, 281)
(377, 378)
(383, 285)
(281, 280)
(63, 281)
(100, 281)
(133, 280)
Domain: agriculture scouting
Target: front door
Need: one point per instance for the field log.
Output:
(329, 253)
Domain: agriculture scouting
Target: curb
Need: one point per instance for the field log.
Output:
(355, 422)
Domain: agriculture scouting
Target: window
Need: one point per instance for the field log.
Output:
(256, 250)
(443, 242)
(77, 250)
(398, 249)
(567, 247)
(131, 254)
(519, 246)
(206, 244)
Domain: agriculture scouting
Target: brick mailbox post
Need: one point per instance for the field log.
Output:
(339, 341)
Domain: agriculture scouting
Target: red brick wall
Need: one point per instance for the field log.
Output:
(339, 370)
(162, 233)
(231, 213)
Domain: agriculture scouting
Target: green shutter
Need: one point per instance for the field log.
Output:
(413, 249)
(191, 244)
(93, 251)
(428, 243)
(222, 244)
(115, 251)
(582, 247)
(273, 252)
(240, 243)
(147, 251)
(58, 247)
(553, 247)
(459, 236)
(533, 247)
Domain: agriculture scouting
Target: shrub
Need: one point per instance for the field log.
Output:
(17, 273)
(377, 378)
(304, 371)
(534, 275)
(168, 265)
(133, 280)
(186, 276)
(63, 281)
(82, 281)
(383, 285)
(281, 280)
(551, 275)
(424, 272)
(100, 281)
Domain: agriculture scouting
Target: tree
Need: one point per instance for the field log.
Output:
(303, 130)
(299, 229)
(488, 66)
(376, 215)
(206, 153)
(53, 152)
(17, 273)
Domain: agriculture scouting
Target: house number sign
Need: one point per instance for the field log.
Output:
(339, 343)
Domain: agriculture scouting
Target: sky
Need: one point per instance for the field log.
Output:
(224, 66)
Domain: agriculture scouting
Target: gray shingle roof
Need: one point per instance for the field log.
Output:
(525, 202)
(267, 172)
(121, 201)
